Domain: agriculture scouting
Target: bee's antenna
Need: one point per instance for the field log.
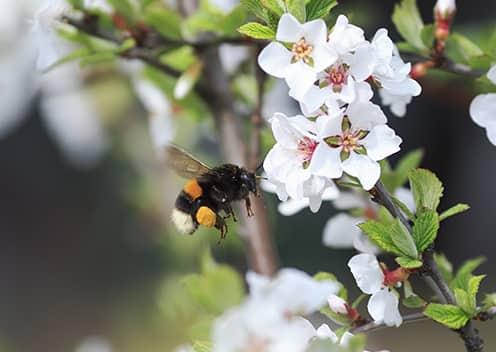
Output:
(261, 177)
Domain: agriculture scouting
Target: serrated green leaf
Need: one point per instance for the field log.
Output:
(403, 240)
(454, 210)
(463, 301)
(461, 48)
(444, 266)
(426, 188)
(449, 315)
(409, 263)
(425, 229)
(408, 22)
(473, 288)
(319, 8)
(256, 7)
(257, 31)
(297, 8)
(464, 274)
(380, 234)
(277, 7)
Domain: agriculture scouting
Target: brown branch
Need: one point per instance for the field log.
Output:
(373, 326)
(468, 333)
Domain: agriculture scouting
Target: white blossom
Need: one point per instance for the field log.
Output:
(353, 141)
(337, 304)
(100, 5)
(483, 109)
(160, 113)
(445, 7)
(309, 53)
(44, 30)
(383, 303)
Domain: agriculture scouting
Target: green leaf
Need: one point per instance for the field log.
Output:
(444, 266)
(319, 8)
(454, 210)
(464, 274)
(461, 48)
(297, 8)
(124, 8)
(427, 35)
(257, 31)
(380, 234)
(413, 302)
(463, 301)
(409, 263)
(164, 21)
(426, 188)
(425, 229)
(187, 81)
(473, 288)
(408, 22)
(256, 7)
(489, 301)
(408, 163)
(449, 315)
(202, 346)
(277, 7)
(404, 209)
(403, 240)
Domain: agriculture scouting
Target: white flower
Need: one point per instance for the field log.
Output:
(483, 109)
(345, 37)
(353, 141)
(287, 163)
(257, 325)
(44, 30)
(309, 53)
(312, 294)
(99, 5)
(156, 103)
(445, 7)
(397, 103)
(337, 304)
(341, 230)
(383, 304)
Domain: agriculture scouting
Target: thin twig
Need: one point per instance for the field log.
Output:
(444, 64)
(373, 326)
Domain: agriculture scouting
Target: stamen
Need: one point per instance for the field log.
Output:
(301, 51)
(306, 148)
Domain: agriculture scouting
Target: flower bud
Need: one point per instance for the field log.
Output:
(337, 304)
(445, 8)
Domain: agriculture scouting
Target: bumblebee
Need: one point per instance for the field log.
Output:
(207, 195)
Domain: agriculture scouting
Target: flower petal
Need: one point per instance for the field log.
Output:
(365, 115)
(300, 78)
(367, 272)
(483, 109)
(340, 231)
(383, 308)
(381, 142)
(289, 29)
(326, 161)
(275, 59)
(364, 168)
(323, 57)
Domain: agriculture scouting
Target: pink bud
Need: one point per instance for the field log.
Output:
(337, 304)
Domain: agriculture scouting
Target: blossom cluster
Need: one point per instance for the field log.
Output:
(340, 131)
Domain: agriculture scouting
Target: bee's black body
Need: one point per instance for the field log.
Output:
(215, 190)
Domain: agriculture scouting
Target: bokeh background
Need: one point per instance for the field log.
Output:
(88, 260)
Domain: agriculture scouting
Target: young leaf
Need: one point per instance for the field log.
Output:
(409, 162)
(164, 21)
(427, 189)
(380, 234)
(489, 301)
(464, 274)
(444, 266)
(319, 8)
(403, 240)
(449, 315)
(275, 6)
(409, 263)
(454, 210)
(427, 35)
(413, 302)
(425, 229)
(463, 301)
(461, 48)
(408, 22)
(297, 8)
(257, 31)
(256, 7)
(473, 287)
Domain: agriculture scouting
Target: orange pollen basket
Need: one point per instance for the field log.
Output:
(193, 189)
(206, 217)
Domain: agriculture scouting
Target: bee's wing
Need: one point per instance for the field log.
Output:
(183, 163)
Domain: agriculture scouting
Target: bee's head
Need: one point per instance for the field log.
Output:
(249, 180)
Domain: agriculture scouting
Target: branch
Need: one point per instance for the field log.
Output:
(444, 64)
(373, 326)
(468, 333)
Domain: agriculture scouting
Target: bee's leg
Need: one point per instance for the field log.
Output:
(222, 227)
(231, 212)
(248, 207)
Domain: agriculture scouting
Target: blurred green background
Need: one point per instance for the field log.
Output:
(89, 260)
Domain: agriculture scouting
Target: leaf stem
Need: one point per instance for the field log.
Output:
(373, 326)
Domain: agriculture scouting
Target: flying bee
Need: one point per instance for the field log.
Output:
(206, 198)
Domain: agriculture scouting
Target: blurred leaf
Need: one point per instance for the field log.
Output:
(165, 21)
(297, 9)
(425, 229)
(427, 35)
(412, 300)
(463, 301)
(256, 7)
(464, 274)
(187, 81)
(409, 263)
(319, 8)
(202, 346)
(124, 7)
(449, 315)
(454, 210)
(461, 48)
(180, 59)
(489, 301)
(409, 24)
(404, 209)
(426, 188)
(407, 164)
(444, 266)
(257, 31)
(275, 6)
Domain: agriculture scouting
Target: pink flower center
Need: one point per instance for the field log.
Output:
(337, 76)
(306, 148)
(349, 140)
(257, 344)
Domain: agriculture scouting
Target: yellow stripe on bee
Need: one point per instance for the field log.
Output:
(193, 189)
(206, 217)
